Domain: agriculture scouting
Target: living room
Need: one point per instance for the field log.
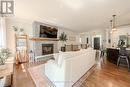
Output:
(65, 43)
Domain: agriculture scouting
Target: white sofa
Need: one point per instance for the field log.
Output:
(69, 67)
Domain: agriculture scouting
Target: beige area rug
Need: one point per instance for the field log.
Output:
(40, 80)
(37, 75)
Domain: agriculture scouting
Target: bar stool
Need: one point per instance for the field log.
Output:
(123, 56)
(102, 53)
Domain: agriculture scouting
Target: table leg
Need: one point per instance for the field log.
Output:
(11, 80)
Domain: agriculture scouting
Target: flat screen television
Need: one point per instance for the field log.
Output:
(48, 32)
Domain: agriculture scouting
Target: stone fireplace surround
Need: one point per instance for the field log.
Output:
(37, 45)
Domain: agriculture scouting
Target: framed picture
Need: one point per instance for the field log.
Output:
(72, 38)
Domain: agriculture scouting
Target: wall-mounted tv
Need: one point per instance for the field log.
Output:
(48, 32)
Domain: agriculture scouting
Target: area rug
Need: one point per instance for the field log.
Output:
(37, 75)
(40, 80)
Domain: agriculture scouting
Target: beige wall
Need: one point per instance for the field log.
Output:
(105, 35)
(124, 30)
(94, 33)
(11, 34)
(28, 28)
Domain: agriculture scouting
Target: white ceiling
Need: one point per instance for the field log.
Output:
(77, 15)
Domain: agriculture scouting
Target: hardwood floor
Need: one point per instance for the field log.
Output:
(104, 75)
(22, 78)
(21, 75)
(108, 75)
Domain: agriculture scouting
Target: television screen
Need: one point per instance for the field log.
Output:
(48, 32)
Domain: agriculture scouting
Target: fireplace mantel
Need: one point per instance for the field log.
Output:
(44, 39)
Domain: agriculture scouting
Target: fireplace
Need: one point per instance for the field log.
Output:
(47, 49)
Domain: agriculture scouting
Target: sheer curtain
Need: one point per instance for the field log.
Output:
(2, 33)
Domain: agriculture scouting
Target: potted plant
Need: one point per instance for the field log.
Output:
(4, 54)
(18, 31)
(121, 43)
(63, 39)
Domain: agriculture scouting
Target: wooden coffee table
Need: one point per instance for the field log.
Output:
(8, 71)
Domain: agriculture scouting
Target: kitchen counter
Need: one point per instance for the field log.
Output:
(113, 53)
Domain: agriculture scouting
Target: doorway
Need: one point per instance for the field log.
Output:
(96, 43)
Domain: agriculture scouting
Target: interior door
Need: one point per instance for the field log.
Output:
(87, 40)
(96, 43)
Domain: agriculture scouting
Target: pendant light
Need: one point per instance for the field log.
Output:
(111, 27)
(114, 23)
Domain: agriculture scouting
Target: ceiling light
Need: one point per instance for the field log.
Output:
(114, 23)
(114, 29)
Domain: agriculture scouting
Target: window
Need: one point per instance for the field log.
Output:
(2, 32)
